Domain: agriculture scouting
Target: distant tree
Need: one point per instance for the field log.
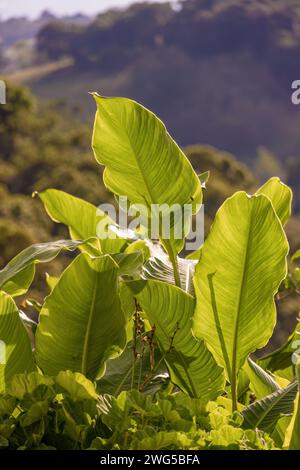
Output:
(13, 118)
(57, 39)
(113, 38)
(227, 175)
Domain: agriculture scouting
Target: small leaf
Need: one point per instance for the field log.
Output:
(18, 274)
(261, 383)
(83, 219)
(77, 385)
(204, 177)
(280, 360)
(23, 384)
(296, 256)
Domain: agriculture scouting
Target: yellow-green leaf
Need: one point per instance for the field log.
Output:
(191, 365)
(242, 264)
(85, 221)
(81, 322)
(15, 349)
(281, 197)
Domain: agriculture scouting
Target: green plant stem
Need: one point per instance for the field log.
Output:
(174, 263)
(234, 392)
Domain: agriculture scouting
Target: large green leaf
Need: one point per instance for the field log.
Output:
(242, 264)
(82, 323)
(281, 197)
(142, 161)
(83, 219)
(15, 348)
(191, 365)
(264, 414)
(292, 438)
(280, 361)
(18, 274)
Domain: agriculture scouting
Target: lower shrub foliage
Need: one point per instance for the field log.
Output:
(40, 412)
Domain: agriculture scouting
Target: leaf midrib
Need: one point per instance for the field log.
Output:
(89, 328)
(233, 371)
(152, 199)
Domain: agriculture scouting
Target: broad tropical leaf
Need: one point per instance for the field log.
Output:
(83, 219)
(264, 414)
(242, 264)
(142, 161)
(82, 323)
(18, 274)
(191, 365)
(281, 197)
(15, 348)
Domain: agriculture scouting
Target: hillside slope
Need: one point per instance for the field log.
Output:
(219, 73)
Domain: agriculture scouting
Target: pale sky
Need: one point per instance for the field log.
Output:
(32, 8)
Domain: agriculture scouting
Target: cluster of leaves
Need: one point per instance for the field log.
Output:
(39, 412)
(129, 313)
(65, 412)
